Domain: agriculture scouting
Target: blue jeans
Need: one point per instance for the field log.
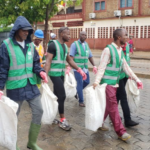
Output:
(81, 84)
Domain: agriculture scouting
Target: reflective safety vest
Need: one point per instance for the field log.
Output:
(127, 57)
(21, 66)
(113, 69)
(81, 57)
(40, 51)
(59, 61)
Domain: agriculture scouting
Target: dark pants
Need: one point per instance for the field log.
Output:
(122, 97)
(59, 91)
(112, 110)
(81, 84)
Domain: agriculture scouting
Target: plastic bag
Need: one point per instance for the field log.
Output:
(95, 107)
(70, 85)
(50, 105)
(133, 95)
(8, 123)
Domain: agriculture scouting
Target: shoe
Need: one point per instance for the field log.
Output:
(125, 137)
(76, 96)
(64, 125)
(81, 104)
(103, 128)
(131, 123)
(33, 135)
(55, 121)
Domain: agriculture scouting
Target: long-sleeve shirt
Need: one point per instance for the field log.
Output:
(29, 91)
(105, 59)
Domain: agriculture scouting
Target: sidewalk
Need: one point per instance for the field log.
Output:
(136, 54)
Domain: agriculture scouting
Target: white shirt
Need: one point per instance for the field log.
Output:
(22, 44)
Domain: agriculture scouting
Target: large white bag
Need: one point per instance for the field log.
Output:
(133, 95)
(70, 85)
(8, 123)
(50, 105)
(95, 107)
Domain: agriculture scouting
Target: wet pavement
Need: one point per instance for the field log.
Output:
(52, 137)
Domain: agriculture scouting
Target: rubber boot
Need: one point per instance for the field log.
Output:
(33, 135)
(17, 148)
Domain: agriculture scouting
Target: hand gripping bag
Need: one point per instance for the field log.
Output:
(70, 85)
(95, 107)
(133, 95)
(49, 104)
(8, 123)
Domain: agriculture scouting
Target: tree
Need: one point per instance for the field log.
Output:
(33, 10)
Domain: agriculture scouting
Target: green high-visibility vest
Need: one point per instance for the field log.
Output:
(81, 57)
(21, 66)
(59, 61)
(127, 57)
(113, 69)
(50, 42)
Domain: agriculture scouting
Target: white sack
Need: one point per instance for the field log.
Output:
(133, 95)
(70, 85)
(49, 104)
(95, 107)
(8, 123)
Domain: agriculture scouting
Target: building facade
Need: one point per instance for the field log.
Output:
(99, 18)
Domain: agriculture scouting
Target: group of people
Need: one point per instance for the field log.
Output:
(21, 70)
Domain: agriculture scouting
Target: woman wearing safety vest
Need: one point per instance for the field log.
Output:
(121, 93)
(37, 39)
(111, 63)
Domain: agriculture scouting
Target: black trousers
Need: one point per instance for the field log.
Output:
(59, 91)
(122, 97)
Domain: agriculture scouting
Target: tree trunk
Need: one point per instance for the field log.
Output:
(46, 29)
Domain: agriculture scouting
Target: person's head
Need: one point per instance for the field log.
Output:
(22, 34)
(120, 35)
(83, 36)
(38, 37)
(64, 34)
(131, 36)
(53, 36)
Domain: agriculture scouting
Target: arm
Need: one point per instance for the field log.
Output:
(36, 64)
(105, 59)
(4, 66)
(49, 58)
(128, 71)
(92, 61)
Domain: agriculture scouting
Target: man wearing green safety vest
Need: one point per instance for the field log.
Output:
(19, 61)
(81, 54)
(121, 93)
(111, 64)
(57, 55)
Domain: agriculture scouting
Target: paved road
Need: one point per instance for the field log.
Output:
(53, 138)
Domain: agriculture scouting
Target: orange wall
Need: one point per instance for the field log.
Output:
(140, 44)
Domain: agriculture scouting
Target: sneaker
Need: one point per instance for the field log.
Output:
(64, 125)
(81, 104)
(55, 121)
(103, 128)
(125, 137)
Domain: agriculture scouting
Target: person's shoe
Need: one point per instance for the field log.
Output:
(131, 123)
(55, 121)
(103, 128)
(33, 135)
(76, 96)
(125, 137)
(81, 104)
(65, 125)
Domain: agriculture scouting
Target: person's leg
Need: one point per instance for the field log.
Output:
(121, 95)
(37, 112)
(87, 81)
(19, 106)
(79, 80)
(112, 108)
(59, 91)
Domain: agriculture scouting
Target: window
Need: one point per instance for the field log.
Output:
(126, 3)
(100, 5)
